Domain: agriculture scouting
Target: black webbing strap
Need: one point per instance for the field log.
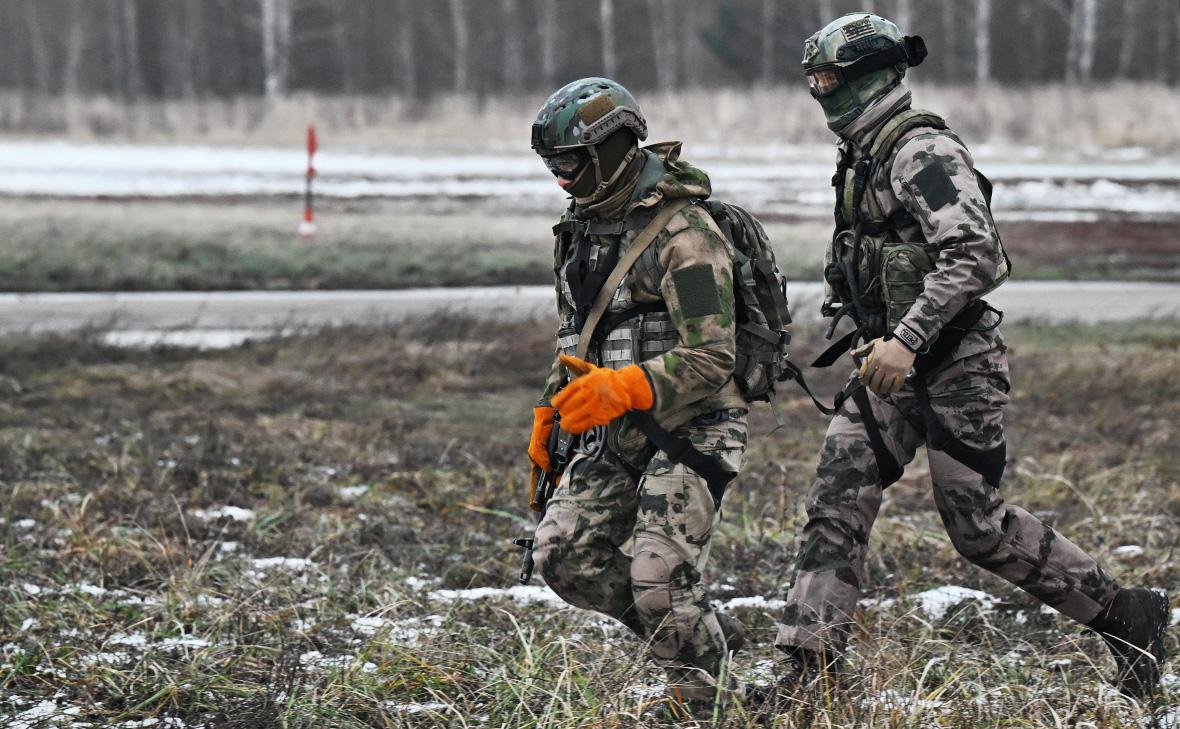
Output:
(988, 463)
(888, 469)
(681, 450)
(791, 371)
(829, 356)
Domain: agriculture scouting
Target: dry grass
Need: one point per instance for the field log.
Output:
(1052, 116)
(122, 602)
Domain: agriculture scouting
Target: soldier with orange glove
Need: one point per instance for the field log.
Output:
(664, 351)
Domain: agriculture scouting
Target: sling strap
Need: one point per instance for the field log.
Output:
(642, 242)
(678, 449)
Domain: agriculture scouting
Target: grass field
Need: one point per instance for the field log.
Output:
(313, 532)
(148, 245)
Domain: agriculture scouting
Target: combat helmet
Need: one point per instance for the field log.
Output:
(579, 117)
(855, 60)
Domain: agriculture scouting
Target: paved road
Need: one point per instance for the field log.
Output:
(272, 310)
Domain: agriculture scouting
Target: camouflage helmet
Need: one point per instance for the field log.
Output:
(854, 61)
(585, 112)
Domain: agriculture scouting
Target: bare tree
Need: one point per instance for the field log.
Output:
(769, 31)
(75, 48)
(606, 15)
(664, 42)
(276, 45)
(905, 16)
(132, 64)
(512, 67)
(460, 30)
(1127, 40)
(983, 41)
(407, 56)
(549, 31)
(38, 44)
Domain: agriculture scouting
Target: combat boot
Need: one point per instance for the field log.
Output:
(1133, 626)
(802, 668)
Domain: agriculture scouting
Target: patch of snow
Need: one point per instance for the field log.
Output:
(31, 589)
(136, 640)
(418, 583)
(937, 601)
(115, 657)
(523, 594)
(353, 492)
(755, 601)
(25, 523)
(234, 513)
(29, 624)
(228, 547)
(415, 708)
(1060, 663)
(186, 641)
(411, 632)
(41, 715)
(1128, 550)
(293, 564)
(369, 625)
(1175, 616)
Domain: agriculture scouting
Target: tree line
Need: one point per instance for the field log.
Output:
(221, 48)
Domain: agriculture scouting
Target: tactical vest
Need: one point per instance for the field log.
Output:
(876, 264)
(632, 332)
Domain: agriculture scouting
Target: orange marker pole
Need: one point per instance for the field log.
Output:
(307, 227)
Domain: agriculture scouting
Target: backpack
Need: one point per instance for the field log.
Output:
(760, 302)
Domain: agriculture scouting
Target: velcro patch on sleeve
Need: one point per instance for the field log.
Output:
(696, 291)
(936, 186)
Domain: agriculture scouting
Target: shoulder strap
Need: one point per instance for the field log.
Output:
(887, 137)
(642, 242)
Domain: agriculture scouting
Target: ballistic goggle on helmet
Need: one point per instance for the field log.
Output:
(854, 60)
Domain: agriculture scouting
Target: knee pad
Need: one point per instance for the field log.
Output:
(661, 581)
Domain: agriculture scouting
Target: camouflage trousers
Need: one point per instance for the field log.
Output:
(666, 512)
(968, 394)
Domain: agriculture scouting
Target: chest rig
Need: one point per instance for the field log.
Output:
(630, 332)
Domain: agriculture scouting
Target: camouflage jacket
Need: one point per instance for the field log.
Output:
(687, 347)
(930, 174)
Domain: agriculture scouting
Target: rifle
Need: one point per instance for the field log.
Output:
(561, 446)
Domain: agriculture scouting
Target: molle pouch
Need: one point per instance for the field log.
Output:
(840, 252)
(903, 272)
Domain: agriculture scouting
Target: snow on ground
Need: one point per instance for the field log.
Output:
(781, 179)
(937, 601)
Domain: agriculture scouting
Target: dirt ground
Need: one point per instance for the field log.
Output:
(315, 532)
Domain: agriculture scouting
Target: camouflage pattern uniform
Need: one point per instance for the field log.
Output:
(617, 488)
(930, 176)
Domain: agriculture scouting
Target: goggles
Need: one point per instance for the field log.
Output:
(910, 50)
(567, 164)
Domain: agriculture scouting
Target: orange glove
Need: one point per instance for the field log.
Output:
(598, 395)
(539, 443)
(539, 446)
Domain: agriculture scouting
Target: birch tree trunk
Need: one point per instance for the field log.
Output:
(276, 46)
(827, 13)
(460, 29)
(75, 48)
(38, 46)
(407, 56)
(133, 81)
(606, 23)
(1088, 32)
(1127, 40)
(905, 16)
(549, 41)
(512, 68)
(983, 41)
(769, 31)
(661, 15)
